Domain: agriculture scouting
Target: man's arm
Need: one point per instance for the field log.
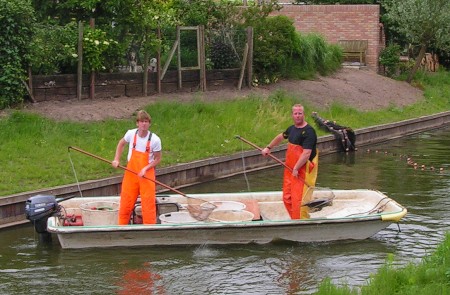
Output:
(276, 141)
(304, 157)
(119, 149)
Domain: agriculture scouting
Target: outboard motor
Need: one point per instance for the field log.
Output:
(38, 209)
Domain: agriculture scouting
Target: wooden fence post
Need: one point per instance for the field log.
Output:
(158, 64)
(250, 57)
(202, 57)
(92, 86)
(180, 85)
(80, 60)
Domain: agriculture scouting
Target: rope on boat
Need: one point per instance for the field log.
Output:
(375, 209)
(75, 173)
(245, 168)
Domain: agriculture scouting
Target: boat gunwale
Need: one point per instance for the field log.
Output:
(53, 224)
(214, 225)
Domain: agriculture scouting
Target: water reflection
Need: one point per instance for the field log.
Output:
(27, 267)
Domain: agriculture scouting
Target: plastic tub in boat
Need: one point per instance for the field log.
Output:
(230, 216)
(100, 213)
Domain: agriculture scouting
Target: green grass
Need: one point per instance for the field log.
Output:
(430, 277)
(34, 154)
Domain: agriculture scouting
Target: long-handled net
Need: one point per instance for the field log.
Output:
(198, 208)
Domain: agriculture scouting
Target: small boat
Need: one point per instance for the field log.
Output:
(259, 217)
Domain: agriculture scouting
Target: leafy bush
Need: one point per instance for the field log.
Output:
(96, 48)
(16, 22)
(222, 55)
(54, 49)
(273, 47)
(390, 59)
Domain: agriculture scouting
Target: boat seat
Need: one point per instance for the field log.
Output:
(274, 211)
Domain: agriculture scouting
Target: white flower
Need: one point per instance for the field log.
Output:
(106, 42)
(74, 55)
(96, 42)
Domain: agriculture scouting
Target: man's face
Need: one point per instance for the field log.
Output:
(298, 116)
(143, 124)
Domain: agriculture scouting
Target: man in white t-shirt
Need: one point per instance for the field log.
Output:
(144, 154)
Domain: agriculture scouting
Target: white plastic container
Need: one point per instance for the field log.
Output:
(230, 216)
(100, 213)
(177, 217)
(226, 205)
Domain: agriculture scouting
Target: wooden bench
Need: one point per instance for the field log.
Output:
(354, 49)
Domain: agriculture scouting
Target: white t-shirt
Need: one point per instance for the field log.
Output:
(141, 143)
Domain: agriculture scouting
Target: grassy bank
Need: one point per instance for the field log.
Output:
(430, 277)
(34, 152)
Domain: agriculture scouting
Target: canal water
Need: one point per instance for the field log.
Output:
(28, 267)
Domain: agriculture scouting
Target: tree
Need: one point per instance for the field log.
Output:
(16, 27)
(425, 23)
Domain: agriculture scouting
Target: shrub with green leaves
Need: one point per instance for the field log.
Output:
(54, 48)
(273, 47)
(222, 55)
(96, 46)
(390, 59)
(16, 22)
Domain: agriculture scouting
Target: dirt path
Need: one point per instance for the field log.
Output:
(361, 89)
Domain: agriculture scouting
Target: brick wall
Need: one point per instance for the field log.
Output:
(341, 22)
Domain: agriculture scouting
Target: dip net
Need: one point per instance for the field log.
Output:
(199, 209)
(317, 197)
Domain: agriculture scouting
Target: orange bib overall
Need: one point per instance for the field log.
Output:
(295, 190)
(133, 186)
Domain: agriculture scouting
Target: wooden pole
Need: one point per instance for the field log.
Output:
(169, 59)
(158, 64)
(145, 68)
(180, 83)
(202, 58)
(29, 86)
(92, 85)
(80, 61)
(243, 66)
(250, 57)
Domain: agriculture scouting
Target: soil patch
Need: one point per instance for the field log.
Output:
(360, 88)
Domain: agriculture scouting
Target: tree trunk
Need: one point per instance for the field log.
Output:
(419, 58)
(145, 73)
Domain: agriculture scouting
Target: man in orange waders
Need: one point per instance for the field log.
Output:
(301, 157)
(144, 154)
